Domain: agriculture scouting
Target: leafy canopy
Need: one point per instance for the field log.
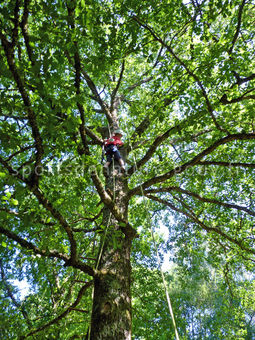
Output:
(178, 77)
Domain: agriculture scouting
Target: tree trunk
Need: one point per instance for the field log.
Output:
(111, 313)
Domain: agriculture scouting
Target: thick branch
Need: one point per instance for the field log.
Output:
(160, 139)
(31, 115)
(48, 206)
(106, 198)
(115, 102)
(97, 97)
(93, 136)
(92, 87)
(30, 246)
(195, 219)
(16, 23)
(240, 12)
(77, 68)
(25, 31)
(145, 123)
(55, 213)
(195, 160)
(200, 198)
(46, 253)
(224, 100)
(240, 81)
(66, 312)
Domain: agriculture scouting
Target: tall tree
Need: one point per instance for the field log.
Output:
(178, 78)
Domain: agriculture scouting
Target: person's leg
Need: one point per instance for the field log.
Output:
(120, 160)
(109, 154)
(122, 164)
(107, 164)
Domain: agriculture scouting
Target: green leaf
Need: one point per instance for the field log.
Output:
(4, 244)
(14, 201)
(2, 175)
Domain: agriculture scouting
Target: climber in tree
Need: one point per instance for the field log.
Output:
(111, 149)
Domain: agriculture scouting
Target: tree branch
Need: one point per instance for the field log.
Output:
(224, 100)
(19, 151)
(77, 68)
(144, 80)
(30, 246)
(55, 213)
(200, 198)
(62, 315)
(115, 91)
(183, 64)
(148, 79)
(46, 253)
(195, 160)
(16, 24)
(240, 81)
(139, 83)
(31, 115)
(227, 164)
(48, 206)
(11, 171)
(25, 31)
(145, 123)
(195, 219)
(97, 97)
(93, 136)
(80, 310)
(158, 140)
(92, 87)
(240, 11)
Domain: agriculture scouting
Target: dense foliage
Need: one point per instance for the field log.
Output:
(178, 77)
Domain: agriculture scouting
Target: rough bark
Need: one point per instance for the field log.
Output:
(111, 313)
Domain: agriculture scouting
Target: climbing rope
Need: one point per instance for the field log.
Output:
(146, 205)
(104, 236)
(110, 215)
(153, 239)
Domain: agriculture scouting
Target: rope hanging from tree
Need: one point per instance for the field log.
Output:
(155, 246)
(153, 238)
(103, 238)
